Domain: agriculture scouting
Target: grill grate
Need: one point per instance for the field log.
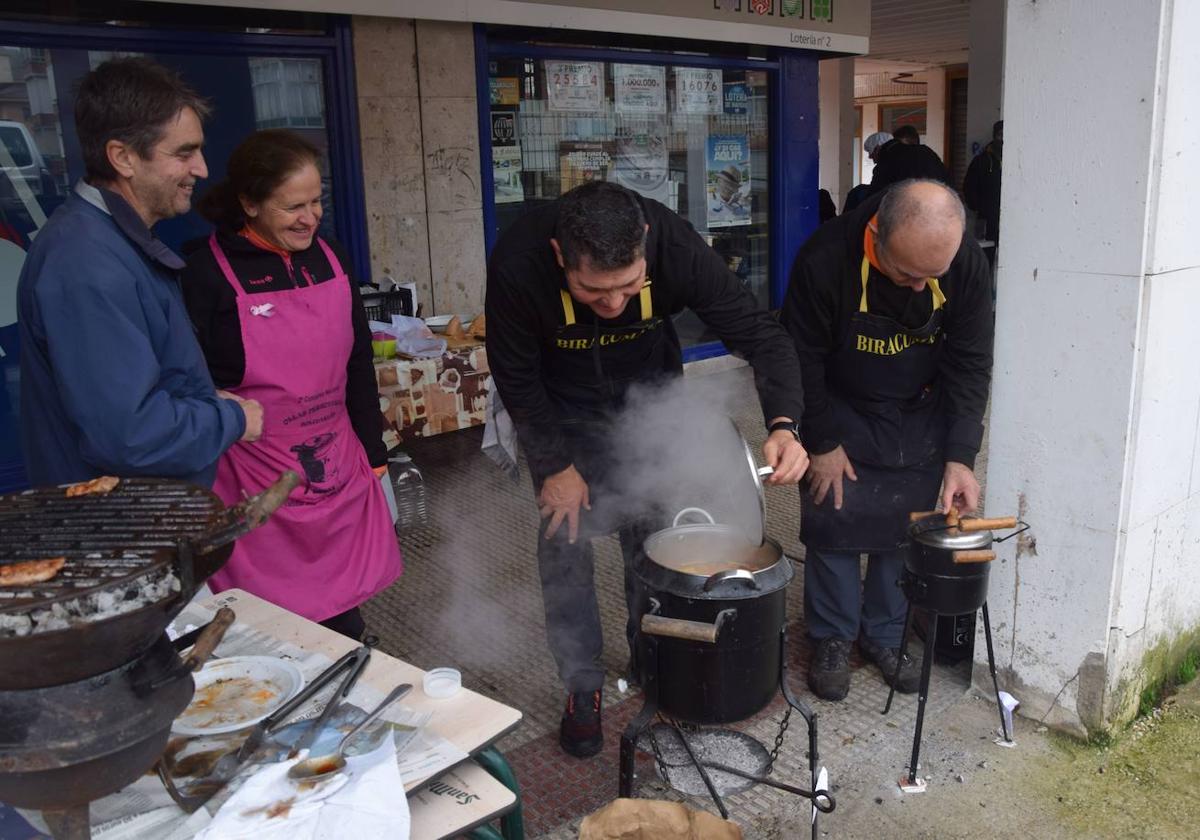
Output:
(106, 539)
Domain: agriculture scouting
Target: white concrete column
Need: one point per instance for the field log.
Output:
(985, 81)
(836, 141)
(935, 109)
(1096, 401)
(870, 111)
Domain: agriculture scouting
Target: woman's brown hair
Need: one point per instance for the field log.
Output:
(257, 167)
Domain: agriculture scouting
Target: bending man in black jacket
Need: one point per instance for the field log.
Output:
(579, 299)
(890, 309)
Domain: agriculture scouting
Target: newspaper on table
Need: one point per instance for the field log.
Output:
(145, 811)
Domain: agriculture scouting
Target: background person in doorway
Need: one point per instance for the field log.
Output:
(280, 320)
(112, 380)
(579, 299)
(872, 146)
(890, 309)
(981, 187)
(905, 157)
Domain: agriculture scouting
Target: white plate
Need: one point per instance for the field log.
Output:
(438, 323)
(237, 692)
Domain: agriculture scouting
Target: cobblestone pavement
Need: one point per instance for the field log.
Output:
(470, 598)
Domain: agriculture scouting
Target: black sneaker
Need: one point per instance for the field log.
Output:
(829, 670)
(580, 734)
(885, 657)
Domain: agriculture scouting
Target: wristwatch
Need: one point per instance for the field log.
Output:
(787, 426)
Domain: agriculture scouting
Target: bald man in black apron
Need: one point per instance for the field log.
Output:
(890, 310)
(579, 302)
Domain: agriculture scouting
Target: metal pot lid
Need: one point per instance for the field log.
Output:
(932, 531)
(748, 486)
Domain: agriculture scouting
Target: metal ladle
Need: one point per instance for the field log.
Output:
(322, 766)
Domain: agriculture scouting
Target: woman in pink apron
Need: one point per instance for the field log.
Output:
(280, 322)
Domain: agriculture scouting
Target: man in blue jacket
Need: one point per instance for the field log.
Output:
(112, 379)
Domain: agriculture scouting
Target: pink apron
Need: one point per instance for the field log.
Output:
(332, 545)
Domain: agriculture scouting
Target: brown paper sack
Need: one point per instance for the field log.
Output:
(478, 327)
(455, 330)
(652, 819)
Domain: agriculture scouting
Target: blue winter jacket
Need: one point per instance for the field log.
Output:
(112, 379)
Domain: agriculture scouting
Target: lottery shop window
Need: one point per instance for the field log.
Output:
(693, 138)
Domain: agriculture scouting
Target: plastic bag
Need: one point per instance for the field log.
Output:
(413, 337)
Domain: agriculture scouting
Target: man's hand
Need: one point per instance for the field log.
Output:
(826, 471)
(563, 494)
(254, 420)
(785, 454)
(959, 488)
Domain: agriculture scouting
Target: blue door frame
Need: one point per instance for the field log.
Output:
(335, 50)
(792, 127)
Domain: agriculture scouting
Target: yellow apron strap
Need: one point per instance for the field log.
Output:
(866, 269)
(938, 298)
(568, 307)
(644, 299)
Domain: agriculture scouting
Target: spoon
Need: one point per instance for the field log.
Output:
(318, 767)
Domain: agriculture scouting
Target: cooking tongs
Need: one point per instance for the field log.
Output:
(353, 664)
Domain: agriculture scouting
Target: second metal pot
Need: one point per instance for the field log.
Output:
(946, 570)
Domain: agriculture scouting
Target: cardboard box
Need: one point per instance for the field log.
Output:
(426, 397)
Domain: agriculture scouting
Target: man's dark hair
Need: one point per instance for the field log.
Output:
(603, 222)
(901, 207)
(907, 134)
(257, 167)
(130, 100)
(997, 128)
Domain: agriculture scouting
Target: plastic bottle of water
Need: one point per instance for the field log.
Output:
(410, 492)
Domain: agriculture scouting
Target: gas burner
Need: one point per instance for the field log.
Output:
(713, 748)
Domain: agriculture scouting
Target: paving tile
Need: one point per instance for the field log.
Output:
(470, 598)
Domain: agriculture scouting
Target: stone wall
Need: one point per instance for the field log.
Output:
(420, 146)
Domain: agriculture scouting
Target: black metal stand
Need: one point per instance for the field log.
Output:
(926, 671)
(822, 800)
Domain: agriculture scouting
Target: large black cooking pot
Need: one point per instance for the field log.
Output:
(946, 570)
(716, 606)
(64, 746)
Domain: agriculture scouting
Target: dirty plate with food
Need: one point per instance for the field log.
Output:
(237, 692)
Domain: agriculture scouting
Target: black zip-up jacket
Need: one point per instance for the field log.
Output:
(823, 294)
(212, 304)
(900, 161)
(524, 311)
(981, 188)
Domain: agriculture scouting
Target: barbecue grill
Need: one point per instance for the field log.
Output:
(89, 683)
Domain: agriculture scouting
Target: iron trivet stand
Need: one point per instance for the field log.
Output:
(820, 797)
(911, 783)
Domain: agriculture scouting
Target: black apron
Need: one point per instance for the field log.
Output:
(881, 384)
(599, 363)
